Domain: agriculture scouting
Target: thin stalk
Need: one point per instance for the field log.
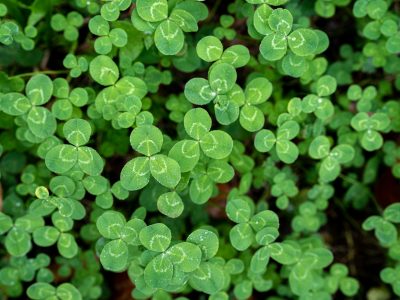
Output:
(48, 72)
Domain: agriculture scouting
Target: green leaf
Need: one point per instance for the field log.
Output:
(259, 260)
(300, 279)
(99, 26)
(156, 237)
(201, 189)
(18, 242)
(287, 151)
(329, 169)
(135, 175)
(220, 171)
(238, 210)
(90, 162)
(284, 253)
(391, 213)
(376, 9)
(95, 185)
(208, 278)
(236, 55)
(209, 48)
(264, 140)
(281, 20)
(130, 232)
(274, 46)
(216, 144)
(265, 218)
(379, 121)
(39, 89)
(152, 10)
(326, 85)
(118, 37)
(41, 122)
(104, 70)
(67, 245)
(165, 170)
(197, 123)
(226, 109)
(15, 104)
(46, 236)
(371, 140)
(222, 78)
(185, 20)
(110, 11)
(386, 233)
(158, 273)
(317, 258)
(169, 38)
(185, 256)
(360, 121)
(303, 42)
(68, 291)
(371, 223)
(288, 130)
(41, 290)
(61, 158)
(241, 236)
(186, 153)
(349, 286)
(392, 44)
(77, 132)
(267, 235)
(110, 224)
(198, 91)
(206, 240)
(170, 204)
(319, 147)
(29, 222)
(114, 256)
(294, 65)
(146, 139)
(343, 153)
(251, 118)
(5, 223)
(258, 90)
(260, 20)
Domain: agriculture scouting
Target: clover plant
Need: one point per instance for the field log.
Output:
(190, 149)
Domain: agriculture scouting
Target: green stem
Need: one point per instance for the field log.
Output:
(213, 10)
(48, 72)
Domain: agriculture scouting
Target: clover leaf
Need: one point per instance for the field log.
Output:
(332, 159)
(286, 150)
(257, 92)
(120, 234)
(49, 235)
(18, 239)
(38, 90)
(107, 37)
(384, 229)
(63, 158)
(68, 25)
(279, 35)
(147, 140)
(168, 29)
(43, 290)
(369, 127)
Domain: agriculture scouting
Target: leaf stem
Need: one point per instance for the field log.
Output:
(213, 10)
(48, 72)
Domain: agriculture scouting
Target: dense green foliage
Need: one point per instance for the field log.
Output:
(205, 149)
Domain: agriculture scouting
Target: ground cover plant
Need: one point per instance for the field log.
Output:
(185, 149)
